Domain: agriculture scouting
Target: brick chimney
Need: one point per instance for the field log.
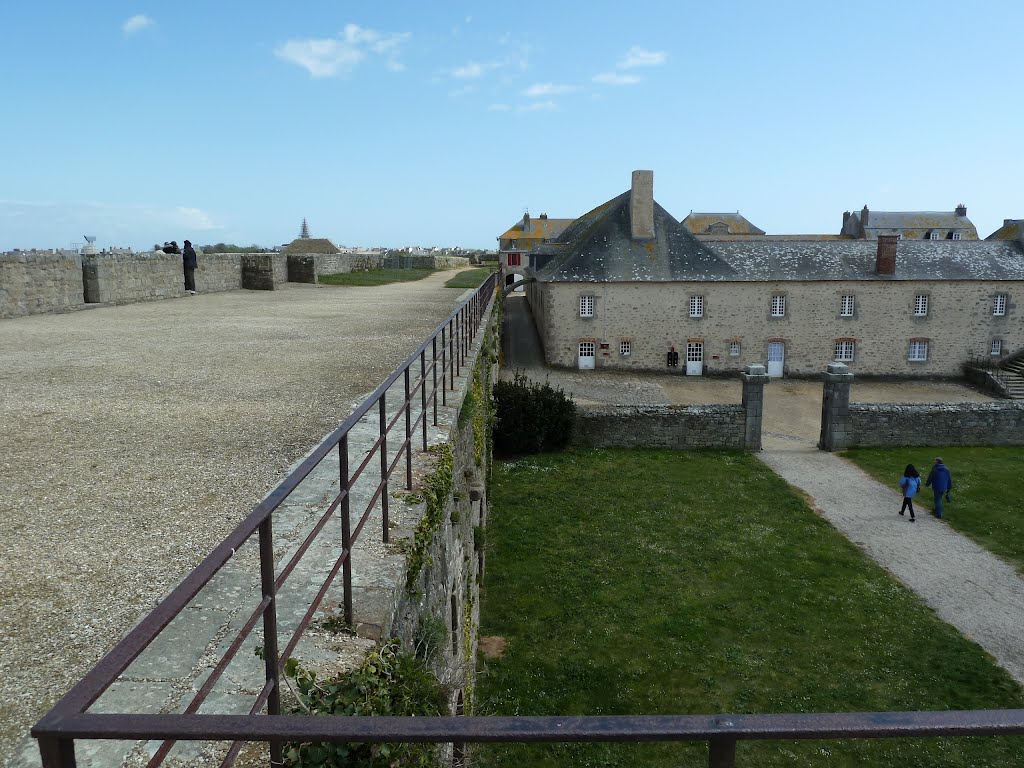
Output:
(961, 210)
(641, 206)
(885, 261)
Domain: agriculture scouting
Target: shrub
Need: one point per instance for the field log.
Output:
(531, 417)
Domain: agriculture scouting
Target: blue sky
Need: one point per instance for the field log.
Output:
(440, 123)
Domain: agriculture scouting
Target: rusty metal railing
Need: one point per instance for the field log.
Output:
(441, 356)
(449, 346)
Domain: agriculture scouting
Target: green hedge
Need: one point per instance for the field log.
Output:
(531, 417)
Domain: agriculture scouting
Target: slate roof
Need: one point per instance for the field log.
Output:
(736, 224)
(917, 220)
(598, 248)
(311, 245)
(855, 260)
(1012, 229)
(540, 229)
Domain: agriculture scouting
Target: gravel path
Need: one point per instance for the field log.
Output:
(136, 437)
(968, 587)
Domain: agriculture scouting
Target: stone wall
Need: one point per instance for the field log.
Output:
(218, 272)
(264, 271)
(889, 424)
(395, 260)
(38, 282)
(657, 426)
(123, 278)
(654, 316)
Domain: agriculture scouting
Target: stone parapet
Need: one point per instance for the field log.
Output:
(40, 282)
(967, 424)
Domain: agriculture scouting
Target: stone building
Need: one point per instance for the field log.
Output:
(626, 286)
(910, 225)
(516, 242)
(720, 224)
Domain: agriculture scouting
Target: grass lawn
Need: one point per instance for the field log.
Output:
(660, 582)
(376, 277)
(987, 490)
(469, 278)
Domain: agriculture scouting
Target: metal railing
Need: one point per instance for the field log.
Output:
(442, 354)
(439, 360)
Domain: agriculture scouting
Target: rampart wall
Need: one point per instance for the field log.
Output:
(40, 282)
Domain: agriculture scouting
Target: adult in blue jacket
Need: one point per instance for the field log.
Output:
(941, 482)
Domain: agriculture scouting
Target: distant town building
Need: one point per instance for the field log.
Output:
(306, 244)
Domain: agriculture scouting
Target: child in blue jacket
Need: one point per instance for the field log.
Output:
(910, 483)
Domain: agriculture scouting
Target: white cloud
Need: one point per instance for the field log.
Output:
(193, 218)
(471, 71)
(334, 56)
(463, 91)
(641, 57)
(136, 24)
(615, 78)
(539, 106)
(547, 89)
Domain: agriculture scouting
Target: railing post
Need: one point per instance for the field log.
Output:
(457, 351)
(423, 394)
(346, 528)
(56, 752)
(722, 753)
(408, 432)
(444, 372)
(270, 627)
(451, 351)
(384, 465)
(433, 371)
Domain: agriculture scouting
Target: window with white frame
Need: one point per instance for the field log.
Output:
(778, 305)
(696, 306)
(921, 305)
(625, 347)
(999, 304)
(734, 349)
(586, 306)
(997, 347)
(933, 235)
(956, 235)
(846, 305)
(844, 350)
(918, 352)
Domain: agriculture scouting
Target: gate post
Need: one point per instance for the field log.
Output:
(835, 408)
(754, 378)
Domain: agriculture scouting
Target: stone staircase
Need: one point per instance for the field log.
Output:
(1014, 381)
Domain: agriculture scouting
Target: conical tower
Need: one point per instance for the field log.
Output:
(304, 234)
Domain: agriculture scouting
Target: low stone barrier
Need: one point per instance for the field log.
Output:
(124, 278)
(39, 282)
(888, 424)
(661, 426)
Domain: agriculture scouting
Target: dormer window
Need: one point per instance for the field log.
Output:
(933, 235)
(955, 236)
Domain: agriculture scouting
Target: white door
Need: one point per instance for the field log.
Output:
(694, 358)
(776, 358)
(587, 350)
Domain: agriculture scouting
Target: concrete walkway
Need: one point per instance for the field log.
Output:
(965, 585)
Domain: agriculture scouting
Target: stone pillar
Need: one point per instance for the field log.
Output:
(835, 408)
(754, 378)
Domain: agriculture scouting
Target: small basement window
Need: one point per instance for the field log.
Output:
(625, 347)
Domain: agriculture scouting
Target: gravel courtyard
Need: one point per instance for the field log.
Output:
(136, 437)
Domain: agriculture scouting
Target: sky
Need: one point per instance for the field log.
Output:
(441, 123)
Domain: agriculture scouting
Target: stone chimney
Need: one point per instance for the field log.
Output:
(961, 210)
(864, 216)
(885, 260)
(526, 222)
(641, 206)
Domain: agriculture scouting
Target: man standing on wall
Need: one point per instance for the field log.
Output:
(189, 260)
(941, 482)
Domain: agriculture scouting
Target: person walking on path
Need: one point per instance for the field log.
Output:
(189, 261)
(941, 483)
(910, 483)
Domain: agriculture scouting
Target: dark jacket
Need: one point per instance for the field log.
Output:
(188, 256)
(939, 479)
